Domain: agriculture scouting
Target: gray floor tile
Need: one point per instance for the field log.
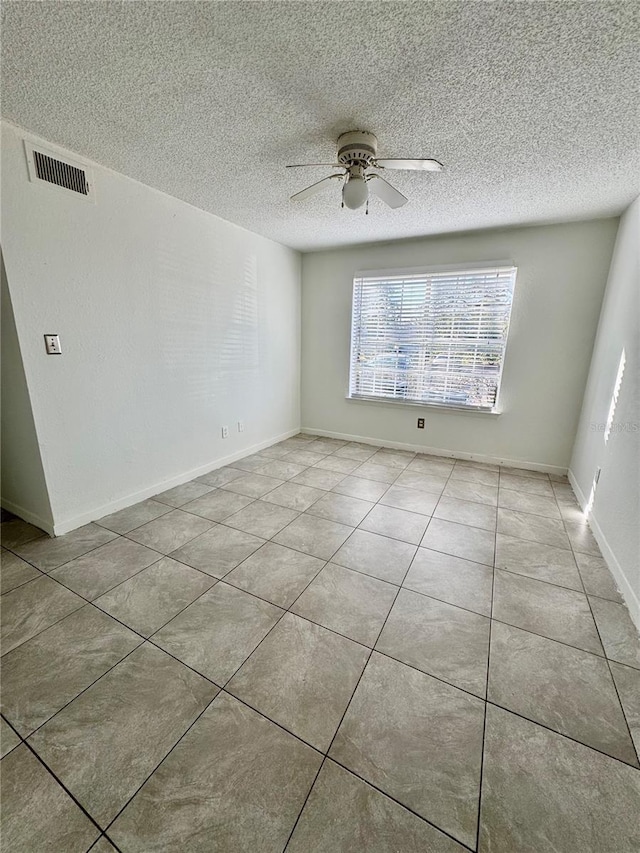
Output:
(351, 603)
(318, 478)
(476, 463)
(410, 499)
(570, 511)
(46, 672)
(260, 776)
(542, 791)
(474, 475)
(179, 495)
(302, 442)
(433, 484)
(627, 681)
(344, 814)
(104, 568)
(618, 633)
(29, 609)
(14, 571)
(302, 677)
(451, 579)
(149, 599)
(324, 444)
(103, 845)
(220, 476)
(524, 525)
(17, 532)
(460, 540)
(392, 458)
(597, 578)
(294, 496)
(46, 553)
(465, 491)
(281, 469)
(276, 573)
(278, 452)
(525, 473)
(251, 464)
(466, 512)
(126, 520)
(8, 739)
(316, 536)
(216, 633)
(253, 485)
(303, 457)
(437, 465)
(358, 452)
(396, 523)
(526, 484)
(439, 639)
(552, 611)
(341, 508)
(357, 487)
(261, 519)
(37, 814)
(375, 555)
(377, 473)
(417, 739)
(218, 550)
(581, 538)
(535, 560)
(218, 505)
(338, 464)
(563, 688)
(524, 502)
(106, 742)
(171, 531)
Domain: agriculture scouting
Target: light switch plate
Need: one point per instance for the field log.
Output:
(52, 344)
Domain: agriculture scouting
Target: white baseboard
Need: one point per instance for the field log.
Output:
(628, 593)
(68, 524)
(437, 451)
(31, 517)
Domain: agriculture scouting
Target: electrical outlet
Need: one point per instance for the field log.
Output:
(225, 432)
(52, 344)
(240, 426)
(420, 423)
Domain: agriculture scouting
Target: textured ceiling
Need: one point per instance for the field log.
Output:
(532, 106)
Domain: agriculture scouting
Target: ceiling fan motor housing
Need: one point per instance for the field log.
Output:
(357, 147)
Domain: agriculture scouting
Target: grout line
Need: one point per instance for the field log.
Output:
(486, 689)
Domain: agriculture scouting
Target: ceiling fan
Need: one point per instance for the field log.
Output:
(357, 156)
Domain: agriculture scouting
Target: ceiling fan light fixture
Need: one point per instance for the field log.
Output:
(355, 192)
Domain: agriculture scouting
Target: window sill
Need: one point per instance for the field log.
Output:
(435, 407)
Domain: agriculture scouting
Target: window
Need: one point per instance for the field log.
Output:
(436, 338)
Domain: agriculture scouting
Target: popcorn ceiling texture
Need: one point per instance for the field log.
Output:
(532, 106)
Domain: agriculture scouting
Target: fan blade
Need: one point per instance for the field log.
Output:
(416, 165)
(385, 191)
(314, 188)
(304, 165)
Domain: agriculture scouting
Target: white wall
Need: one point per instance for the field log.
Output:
(615, 513)
(562, 270)
(173, 322)
(24, 490)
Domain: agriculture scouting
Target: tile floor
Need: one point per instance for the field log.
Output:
(325, 647)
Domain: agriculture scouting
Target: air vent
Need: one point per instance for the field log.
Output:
(48, 167)
(62, 174)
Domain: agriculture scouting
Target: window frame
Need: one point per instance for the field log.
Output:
(480, 266)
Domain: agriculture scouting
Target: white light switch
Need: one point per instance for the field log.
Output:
(52, 344)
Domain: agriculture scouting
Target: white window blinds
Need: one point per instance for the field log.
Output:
(436, 338)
